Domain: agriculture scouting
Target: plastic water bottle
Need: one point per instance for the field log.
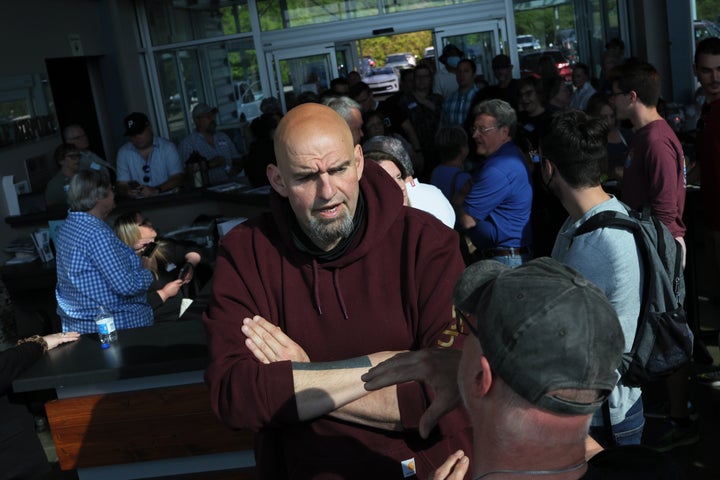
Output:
(106, 327)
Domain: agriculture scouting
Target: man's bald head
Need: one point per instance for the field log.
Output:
(307, 123)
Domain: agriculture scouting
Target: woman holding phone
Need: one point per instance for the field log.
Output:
(172, 265)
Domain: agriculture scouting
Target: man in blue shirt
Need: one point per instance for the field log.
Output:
(94, 268)
(216, 147)
(147, 165)
(496, 211)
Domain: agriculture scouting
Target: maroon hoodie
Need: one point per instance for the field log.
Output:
(391, 290)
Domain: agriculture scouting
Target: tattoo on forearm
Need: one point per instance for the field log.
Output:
(357, 362)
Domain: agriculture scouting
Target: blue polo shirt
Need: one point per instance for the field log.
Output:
(500, 200)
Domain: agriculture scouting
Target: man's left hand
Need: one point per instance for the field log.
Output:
(269, 343)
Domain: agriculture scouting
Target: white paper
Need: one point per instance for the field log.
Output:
(9, 197)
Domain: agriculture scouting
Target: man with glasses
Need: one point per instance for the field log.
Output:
(147, 165)
(75, 135)
(496, 211)
(215, 147)
(654, 170)
(67, 158)
(654, 176)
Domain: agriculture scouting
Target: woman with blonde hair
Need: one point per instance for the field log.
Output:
(172, 265)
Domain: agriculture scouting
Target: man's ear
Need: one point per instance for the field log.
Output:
(486, 377)
(276, 179)
(359, 161)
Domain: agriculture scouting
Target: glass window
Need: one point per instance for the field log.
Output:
(392, 6)
(26, 109)
(179, 76)
(173, 21)
(298, 12)
(224, 75)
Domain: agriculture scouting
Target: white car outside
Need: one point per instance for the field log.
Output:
(383, 80)
(527, 42)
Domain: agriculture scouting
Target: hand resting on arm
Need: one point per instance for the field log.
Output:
(326, 388)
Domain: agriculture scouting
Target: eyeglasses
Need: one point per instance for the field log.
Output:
(146, 169)
(482, 130)
(467, 319)
(145, 223)
(615, 94)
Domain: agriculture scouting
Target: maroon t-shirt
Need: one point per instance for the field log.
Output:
(654, 175)
(708, 156)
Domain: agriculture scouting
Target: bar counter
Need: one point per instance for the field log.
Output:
(164, 353)
(138, 409)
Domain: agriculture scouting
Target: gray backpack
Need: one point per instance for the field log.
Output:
(663, 341)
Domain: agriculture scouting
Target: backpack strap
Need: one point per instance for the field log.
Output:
(613, 219)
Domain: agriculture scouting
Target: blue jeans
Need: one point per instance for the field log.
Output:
(627, 432)
(513, 260)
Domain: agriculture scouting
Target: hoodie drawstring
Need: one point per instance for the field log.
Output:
(338, 292)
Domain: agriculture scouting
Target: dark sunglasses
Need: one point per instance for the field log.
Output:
(146, 169)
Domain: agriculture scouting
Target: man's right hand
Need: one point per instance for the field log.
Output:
(435, 367)
(269, 343)
(454, 468)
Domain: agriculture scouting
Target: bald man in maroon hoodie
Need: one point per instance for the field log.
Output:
(338, 277)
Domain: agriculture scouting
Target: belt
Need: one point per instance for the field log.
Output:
(504, 252)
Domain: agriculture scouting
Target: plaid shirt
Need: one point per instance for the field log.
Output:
(455, 107)
(94, 269)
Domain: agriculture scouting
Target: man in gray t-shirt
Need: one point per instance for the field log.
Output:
(607, 256)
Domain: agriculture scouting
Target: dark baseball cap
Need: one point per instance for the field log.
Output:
(135, 123)
(543, 327)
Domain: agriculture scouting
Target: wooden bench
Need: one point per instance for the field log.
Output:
(140, 426)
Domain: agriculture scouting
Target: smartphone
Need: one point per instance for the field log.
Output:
(149, 249)
(184, 271)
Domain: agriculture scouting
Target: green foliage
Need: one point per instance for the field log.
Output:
(541, 22)
(707, 10)
(379, 47)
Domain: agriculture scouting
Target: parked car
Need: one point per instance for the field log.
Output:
(529, 63)
(383, 80)
(247, 100)
(703, 29)
(527, 42)
(400, 60)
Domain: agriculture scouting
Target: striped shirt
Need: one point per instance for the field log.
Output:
(95, 269)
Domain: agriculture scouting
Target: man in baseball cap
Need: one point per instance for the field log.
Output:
(216, 148)
(147, 164)
(542, 359)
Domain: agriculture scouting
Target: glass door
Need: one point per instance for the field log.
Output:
(480, 42)
(299, 70)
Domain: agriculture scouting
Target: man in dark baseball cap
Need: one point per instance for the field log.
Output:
(542, 358)
(147, 164)
(135, 123)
